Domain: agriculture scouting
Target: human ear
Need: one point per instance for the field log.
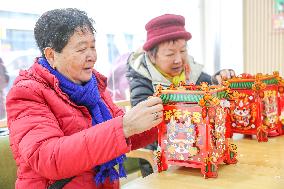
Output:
(49, 54)
(151, 57)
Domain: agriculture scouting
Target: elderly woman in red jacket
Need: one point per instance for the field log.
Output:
(64, 127)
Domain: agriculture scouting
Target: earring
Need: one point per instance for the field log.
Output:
(53, 66)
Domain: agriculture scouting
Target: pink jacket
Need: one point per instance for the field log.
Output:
(52, 138)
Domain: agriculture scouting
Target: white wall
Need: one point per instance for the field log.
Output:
(208, 21)
(223, 35)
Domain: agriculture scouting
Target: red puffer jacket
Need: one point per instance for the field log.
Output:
(52, 138)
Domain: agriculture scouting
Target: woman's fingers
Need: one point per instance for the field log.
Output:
(152, 101)
(223, 75)
(157, 115)
(143, 116)
(219, 79)
(232, 73)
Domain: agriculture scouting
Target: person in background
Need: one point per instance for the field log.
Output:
(117, 81)
(4, 80)
(165, 60)
(65, 131)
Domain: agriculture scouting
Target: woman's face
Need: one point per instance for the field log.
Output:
(77, 59)
(171, 57)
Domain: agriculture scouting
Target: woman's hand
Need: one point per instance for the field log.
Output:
(143, 116)
(221, 75)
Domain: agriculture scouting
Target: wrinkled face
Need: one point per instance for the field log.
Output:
(171, 57)
(78, 57)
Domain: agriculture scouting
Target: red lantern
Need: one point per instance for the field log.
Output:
(193, 131)
(255, 107)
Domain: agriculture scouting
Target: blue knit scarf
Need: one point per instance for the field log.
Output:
(88, 95)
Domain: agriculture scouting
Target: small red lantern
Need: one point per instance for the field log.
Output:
(255, 105)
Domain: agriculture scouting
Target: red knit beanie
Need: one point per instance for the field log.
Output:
(164, 28)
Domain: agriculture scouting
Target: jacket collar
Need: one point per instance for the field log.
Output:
(140, 62)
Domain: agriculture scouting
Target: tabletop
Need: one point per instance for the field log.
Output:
(260, 166)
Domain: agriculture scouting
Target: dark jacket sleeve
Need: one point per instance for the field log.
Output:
(204, 77)
(140, 87)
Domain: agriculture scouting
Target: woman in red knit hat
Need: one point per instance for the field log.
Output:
(164, 60)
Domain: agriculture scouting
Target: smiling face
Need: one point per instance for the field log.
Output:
(77, 58)
(170, 57)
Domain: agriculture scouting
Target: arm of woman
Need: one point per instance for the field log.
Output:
(141, 120)
(37, 138)
(140, 89)
(204, 77)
